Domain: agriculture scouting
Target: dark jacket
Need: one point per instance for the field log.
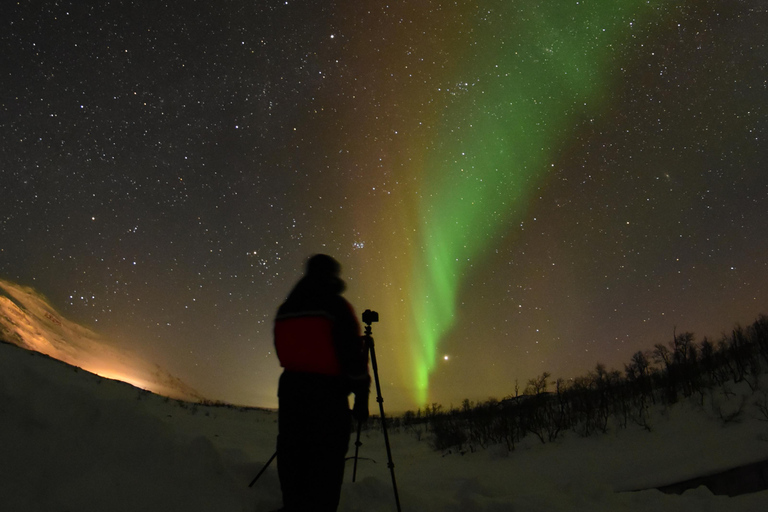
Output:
(317, 333)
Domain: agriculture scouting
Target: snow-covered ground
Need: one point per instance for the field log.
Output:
(73, 441)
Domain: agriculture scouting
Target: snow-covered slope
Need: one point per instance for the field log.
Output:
(73, 441)
(28, 320)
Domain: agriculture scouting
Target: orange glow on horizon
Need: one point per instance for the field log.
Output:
(116, 375)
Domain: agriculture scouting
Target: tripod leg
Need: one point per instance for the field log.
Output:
(263, 469)
(379, 399)
(358, 444)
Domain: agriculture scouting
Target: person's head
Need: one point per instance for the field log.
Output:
(324, 269)
(322, 265)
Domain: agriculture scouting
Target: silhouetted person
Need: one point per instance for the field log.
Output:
(317, 338)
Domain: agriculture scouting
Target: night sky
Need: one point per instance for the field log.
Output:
(515, 186)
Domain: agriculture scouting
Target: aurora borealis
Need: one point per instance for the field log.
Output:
(533, 79)
(516, 187)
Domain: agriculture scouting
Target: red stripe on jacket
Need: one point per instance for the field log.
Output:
(305, 344)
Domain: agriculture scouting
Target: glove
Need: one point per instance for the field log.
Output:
(360, 409)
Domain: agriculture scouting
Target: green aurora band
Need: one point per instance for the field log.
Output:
(534, 80)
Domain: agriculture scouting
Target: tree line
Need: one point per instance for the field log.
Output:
(682, 369)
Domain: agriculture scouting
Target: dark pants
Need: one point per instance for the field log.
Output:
(314, 425)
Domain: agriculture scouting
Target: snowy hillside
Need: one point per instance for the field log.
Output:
(28, 320)
(74, 441)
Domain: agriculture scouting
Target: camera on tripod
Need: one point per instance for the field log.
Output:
(370, 316)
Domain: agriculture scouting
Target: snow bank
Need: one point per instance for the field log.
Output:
(75, 441)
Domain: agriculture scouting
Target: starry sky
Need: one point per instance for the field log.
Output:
(515, 186)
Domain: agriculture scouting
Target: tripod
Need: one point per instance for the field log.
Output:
(368, 318)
